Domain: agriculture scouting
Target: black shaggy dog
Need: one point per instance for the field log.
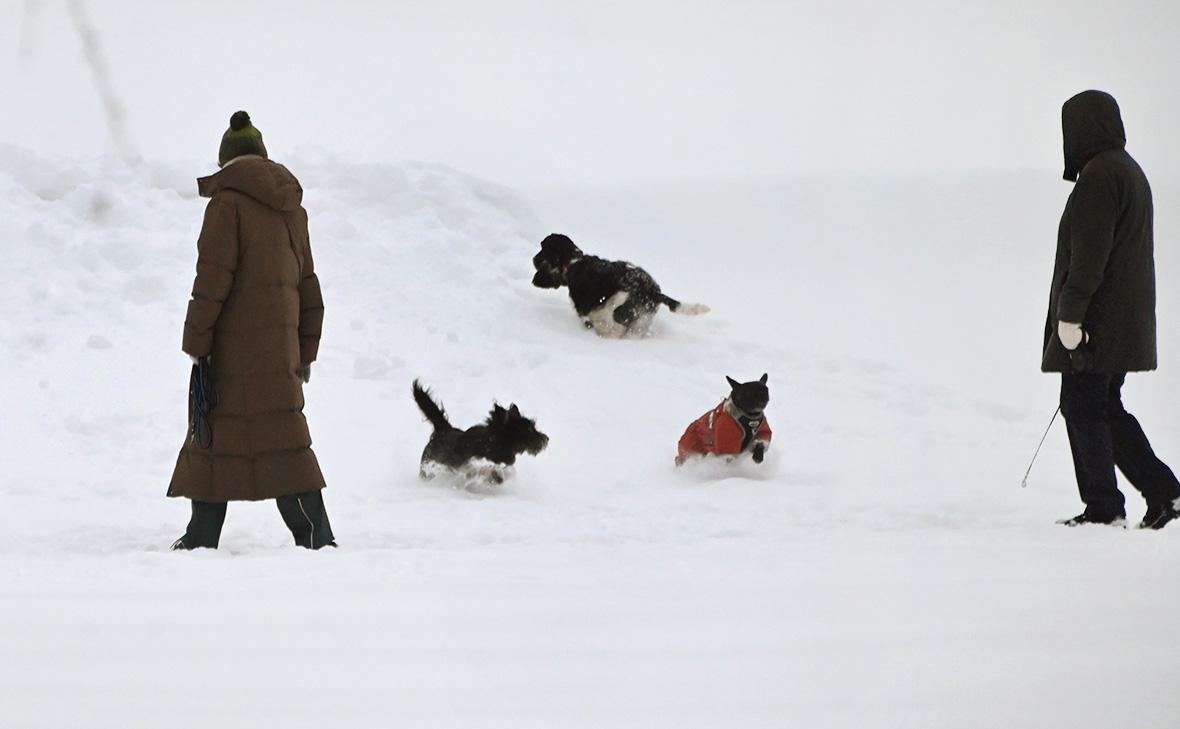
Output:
(614, 298)
(483, 454)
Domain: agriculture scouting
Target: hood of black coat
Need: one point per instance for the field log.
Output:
(268, 182)
(1090, 124)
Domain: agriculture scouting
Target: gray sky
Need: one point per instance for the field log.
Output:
(536, 92)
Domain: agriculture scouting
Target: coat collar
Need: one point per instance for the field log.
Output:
(740, 415)
(267, 182)
(241, 157)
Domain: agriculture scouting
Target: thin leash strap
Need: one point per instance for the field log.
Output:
(1024, 483)
(202, 399)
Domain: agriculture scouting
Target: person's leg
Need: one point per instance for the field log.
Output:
(1084, 405)
(1134, 456)
(307, 519)
(204, 528)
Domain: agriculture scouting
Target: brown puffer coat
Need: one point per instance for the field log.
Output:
(256, 309)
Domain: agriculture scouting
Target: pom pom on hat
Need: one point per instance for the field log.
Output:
(242, 138)
(239, 121)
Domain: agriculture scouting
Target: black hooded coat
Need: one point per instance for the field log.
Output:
(1104, 275)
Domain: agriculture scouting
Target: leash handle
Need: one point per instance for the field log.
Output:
(201, 400)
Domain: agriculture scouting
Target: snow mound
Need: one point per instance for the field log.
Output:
(426, 273)
(881, 559)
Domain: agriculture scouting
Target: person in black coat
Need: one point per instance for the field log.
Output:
(1101, 322)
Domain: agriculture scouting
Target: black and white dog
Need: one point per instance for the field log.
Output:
(481, 455)
(614, 298)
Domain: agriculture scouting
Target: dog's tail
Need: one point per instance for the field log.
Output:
(681, 308)
(432, 410)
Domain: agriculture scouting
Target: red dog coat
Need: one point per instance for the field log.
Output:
(720, 433)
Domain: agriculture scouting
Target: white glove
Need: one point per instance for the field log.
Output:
(1071, 335)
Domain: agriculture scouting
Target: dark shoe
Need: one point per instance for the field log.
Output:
(179, 546)
(1117, 520)
(1158, 516)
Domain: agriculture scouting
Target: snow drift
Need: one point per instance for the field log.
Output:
(881, 569)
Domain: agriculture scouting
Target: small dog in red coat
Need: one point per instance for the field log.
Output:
(738, 425)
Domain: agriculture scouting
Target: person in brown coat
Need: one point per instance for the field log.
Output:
(253, 331)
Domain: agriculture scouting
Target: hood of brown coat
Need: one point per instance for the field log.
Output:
(268, 182)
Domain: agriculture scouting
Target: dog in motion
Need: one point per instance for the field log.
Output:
(483, 454)
(735, 427)
(614, 298)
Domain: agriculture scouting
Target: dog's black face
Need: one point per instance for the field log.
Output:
(750, 397)
(557, 251)
(514, 432)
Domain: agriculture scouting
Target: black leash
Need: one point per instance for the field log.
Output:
(1024, 483)
(201, 400)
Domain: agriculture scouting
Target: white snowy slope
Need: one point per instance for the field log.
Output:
(883, 569)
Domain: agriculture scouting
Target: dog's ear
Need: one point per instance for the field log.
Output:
(764, 378)
(513, 410)
(499, 414)
(547, 278)
(732, 382)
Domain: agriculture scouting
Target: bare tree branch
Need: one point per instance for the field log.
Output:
(100, 71)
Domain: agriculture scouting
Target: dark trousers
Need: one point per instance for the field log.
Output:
(1102, 435)
(304, 515)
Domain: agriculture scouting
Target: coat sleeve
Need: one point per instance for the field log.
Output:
(1094, 211)
(217, 262)
(311, 310)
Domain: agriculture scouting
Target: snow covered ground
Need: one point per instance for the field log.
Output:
(883, 569)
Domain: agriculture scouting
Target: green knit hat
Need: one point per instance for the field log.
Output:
(241, 138)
